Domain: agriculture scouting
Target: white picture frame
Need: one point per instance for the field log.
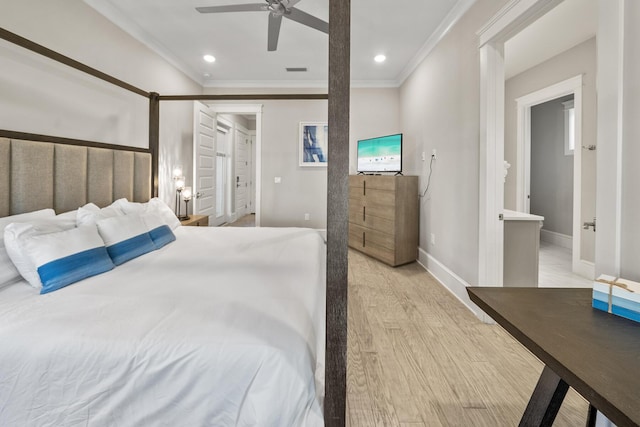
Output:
(313, 144)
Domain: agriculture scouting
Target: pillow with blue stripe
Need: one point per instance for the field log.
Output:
(65, 257)
(16, 234)
(159, 231)
(126, 237)
(8, 273)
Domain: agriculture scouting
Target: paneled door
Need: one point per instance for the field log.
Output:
(243, 177)
(204, 161)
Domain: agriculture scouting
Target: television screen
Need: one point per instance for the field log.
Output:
(382, 154)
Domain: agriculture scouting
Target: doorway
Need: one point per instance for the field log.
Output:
(239, 183)
(509, 21)
(550, 177)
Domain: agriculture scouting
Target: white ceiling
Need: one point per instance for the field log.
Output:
(402, 30)
(405, 31)
(565, 26)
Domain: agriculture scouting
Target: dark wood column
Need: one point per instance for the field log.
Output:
(154, 138)
(337, 212)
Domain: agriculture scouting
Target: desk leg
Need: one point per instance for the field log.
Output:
(545, 400)
(591, 417)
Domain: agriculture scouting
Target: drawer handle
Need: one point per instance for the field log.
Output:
(364, 188)
(364, 210)
(363, 240)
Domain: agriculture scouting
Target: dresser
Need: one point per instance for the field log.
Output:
(384, 217)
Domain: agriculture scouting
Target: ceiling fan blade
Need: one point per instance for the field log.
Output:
(253, 7)
(274, 32)
(309, 20)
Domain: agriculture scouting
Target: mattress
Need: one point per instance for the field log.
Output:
(223, 327)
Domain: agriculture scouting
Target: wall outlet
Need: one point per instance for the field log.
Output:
(433, 239)
(307, 217)
(433, 154)
(277, 180)
(424, 156)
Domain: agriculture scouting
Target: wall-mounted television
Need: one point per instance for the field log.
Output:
(381, 154)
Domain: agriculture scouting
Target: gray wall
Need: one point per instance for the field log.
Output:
(551, 169)
(580, 59)
(40, 96)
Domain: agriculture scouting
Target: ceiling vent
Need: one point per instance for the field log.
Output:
(296, 69)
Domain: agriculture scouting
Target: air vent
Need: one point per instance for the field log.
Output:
(296, 69)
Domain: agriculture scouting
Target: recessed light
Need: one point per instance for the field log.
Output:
(209, 58)
(207, 75)
(380, 58)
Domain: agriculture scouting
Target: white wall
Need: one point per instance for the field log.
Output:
(40, 96)
(618, 204)
(304, 189)
(580, 59)
(439, 105)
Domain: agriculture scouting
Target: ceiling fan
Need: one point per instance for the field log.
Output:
(277, 9)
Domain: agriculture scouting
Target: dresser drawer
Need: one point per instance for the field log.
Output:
(379, 182)
(367, 217)
(379, 197)
(372, 243)
(370, 236)
(366, 209)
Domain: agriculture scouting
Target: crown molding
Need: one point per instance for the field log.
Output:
(118, 18)
(454, 15)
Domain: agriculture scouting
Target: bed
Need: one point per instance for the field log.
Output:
(221, 327)
(133, 174)
(224, 326)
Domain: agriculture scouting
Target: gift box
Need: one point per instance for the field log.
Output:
(617, 296)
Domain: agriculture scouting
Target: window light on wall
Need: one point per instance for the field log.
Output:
(569, 127)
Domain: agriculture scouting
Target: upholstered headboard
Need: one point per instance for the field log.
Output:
(37, 175)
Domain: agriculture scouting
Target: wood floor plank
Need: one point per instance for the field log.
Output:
(418, 357)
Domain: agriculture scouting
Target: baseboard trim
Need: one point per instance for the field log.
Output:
(451, 282)
(555, 238)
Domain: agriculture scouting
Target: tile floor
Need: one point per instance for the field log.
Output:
(555, 268)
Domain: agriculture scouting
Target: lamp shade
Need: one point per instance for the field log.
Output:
(186, 193)
(177, 172)
(180, 183)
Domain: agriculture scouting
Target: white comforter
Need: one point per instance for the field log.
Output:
(224, 327)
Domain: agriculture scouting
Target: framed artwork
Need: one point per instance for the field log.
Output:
(314, 144)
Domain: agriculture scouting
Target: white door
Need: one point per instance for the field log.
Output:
(204, 161)
(242, 173)
(222, 143)
(252, 173)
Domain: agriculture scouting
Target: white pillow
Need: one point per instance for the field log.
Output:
(160, 232)
(8, 272)
(66, 257)
(89, 214)
(70, 215)
(126, 237)
(15, 234)
(130, 208)
(159, 207)
(153, 206)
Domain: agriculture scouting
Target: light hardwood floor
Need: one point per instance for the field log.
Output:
(418, 357)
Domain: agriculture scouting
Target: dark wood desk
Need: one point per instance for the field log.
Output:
(596, 353)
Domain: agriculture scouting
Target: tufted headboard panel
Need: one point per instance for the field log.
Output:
(37, 175)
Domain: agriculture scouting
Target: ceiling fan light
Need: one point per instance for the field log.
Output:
(209, 58)
(380, 58)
